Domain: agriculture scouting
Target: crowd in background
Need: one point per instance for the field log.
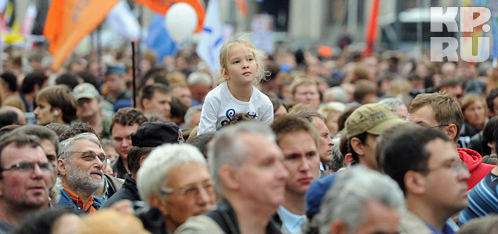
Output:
(318, 142)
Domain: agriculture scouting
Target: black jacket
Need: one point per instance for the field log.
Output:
(119, 168)
(129, 191)
(225, 217)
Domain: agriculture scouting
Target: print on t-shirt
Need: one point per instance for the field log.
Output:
(231, 113)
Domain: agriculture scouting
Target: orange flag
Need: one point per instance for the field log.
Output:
(242, 6)
(372, 28)
(162, 6)
(69, 21)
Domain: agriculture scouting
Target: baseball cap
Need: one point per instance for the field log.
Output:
(153, 134)
(371, 118)
(316, 192)
(85, 90)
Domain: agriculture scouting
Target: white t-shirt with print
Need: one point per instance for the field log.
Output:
(220, 106)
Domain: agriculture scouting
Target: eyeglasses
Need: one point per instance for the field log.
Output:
(191, 190)
(457, 168)
(440, 126)
(30, 167)
(90, 155)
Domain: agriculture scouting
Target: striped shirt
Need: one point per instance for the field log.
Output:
(483, 199)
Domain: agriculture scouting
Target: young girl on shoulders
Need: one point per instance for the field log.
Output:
(242, 67)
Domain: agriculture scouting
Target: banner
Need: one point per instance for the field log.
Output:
(372, 28)
(29, 20)
(69, 21)
(242, 6)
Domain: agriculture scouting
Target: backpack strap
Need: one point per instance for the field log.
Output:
(225, 217)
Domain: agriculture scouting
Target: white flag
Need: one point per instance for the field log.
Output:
(29, 20)
(211, 38)
(123, 22)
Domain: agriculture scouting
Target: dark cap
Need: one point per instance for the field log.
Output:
(316, 192)
(115, 69)
(153, 134)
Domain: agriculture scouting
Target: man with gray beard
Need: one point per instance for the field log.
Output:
(81, 163)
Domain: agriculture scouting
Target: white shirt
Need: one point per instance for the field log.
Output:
(220, 106)
(291, 222)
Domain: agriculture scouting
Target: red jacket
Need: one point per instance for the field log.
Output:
(477, 169)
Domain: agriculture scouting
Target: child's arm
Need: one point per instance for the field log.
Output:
(209, 115)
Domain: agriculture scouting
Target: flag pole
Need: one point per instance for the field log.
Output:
(139, 52)
(134, 65)
(100, 78)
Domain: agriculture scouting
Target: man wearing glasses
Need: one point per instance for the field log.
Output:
(426, 165)
(25, 178)
(81, 163)
(442, 112)
(246, 165)
(147, 137)
(175, 180)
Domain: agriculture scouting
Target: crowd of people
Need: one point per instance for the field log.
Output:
(292, 142)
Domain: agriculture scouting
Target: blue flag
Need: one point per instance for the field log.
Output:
(158, 38)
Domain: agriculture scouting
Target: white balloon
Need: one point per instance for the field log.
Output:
(181, 21)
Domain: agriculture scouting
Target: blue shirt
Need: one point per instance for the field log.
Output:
(195, 103)
(483, 199)
(65, 201)
(447, 229)
(291, 222)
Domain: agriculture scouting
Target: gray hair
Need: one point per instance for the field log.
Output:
(41, 132)
(199, 78)
(192, 110)
(153, 174)
(155, 118)
(354, 188)
(227, 147)
(393, 103)
(338, 93)
(68, 145)
(337, 161)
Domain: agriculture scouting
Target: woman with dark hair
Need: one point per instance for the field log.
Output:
(488, 142)
(279, 108)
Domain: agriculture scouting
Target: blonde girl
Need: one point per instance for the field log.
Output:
(242, 67)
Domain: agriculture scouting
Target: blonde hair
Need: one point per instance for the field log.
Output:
(259, 55)
(14, 101)
(110, 221)
(326, 108)
(399, 87)
(445, 108)
(470, 99)
(176, 77)
(301, 81)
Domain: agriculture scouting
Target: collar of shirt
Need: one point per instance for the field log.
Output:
(76, 199)
(323, 166)
(292, 222)
(447, 229)
(105, 195)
